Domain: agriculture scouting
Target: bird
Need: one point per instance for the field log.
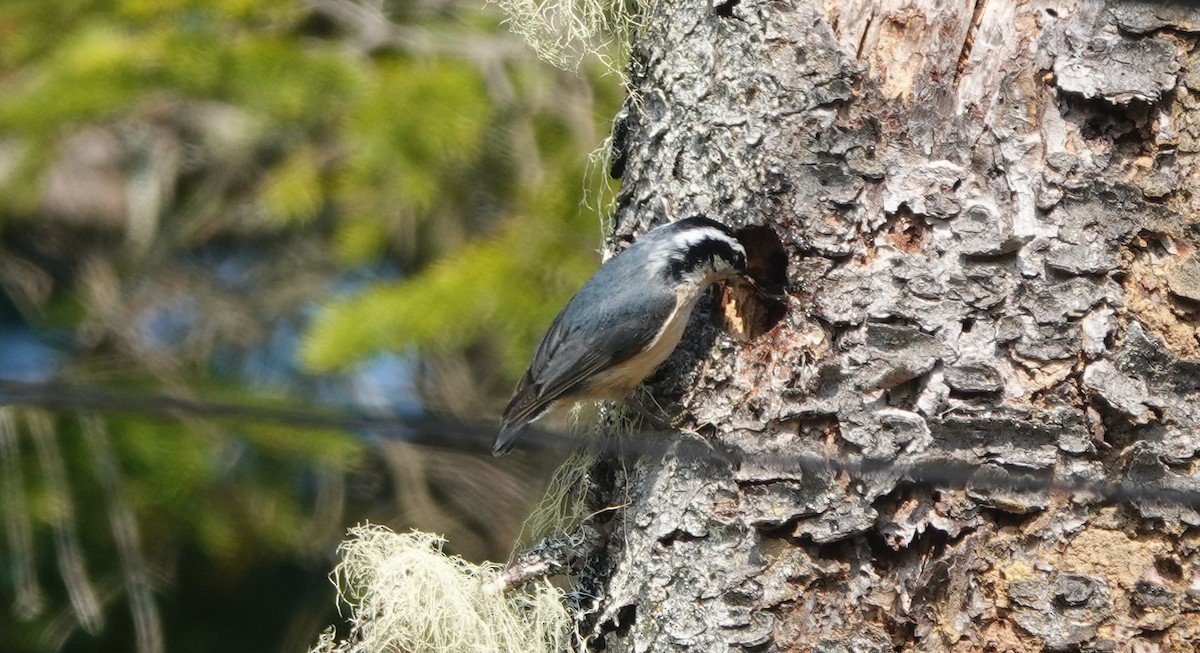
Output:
(624, 321)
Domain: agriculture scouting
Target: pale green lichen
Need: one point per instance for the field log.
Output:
(565, 32)
(405, 594)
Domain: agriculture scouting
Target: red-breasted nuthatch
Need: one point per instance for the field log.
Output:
(624, 321)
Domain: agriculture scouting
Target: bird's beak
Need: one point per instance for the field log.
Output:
(769, 291)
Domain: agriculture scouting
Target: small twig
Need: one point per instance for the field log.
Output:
(550, 557)
(443, 432)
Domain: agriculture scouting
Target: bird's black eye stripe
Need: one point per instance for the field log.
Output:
(700, 254)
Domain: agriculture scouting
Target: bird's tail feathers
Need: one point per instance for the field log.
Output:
(507, 438)
(515, 421)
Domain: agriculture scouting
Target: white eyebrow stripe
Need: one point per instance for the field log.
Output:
(686, 239)
(679, 243)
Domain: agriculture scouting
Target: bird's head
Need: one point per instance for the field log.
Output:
(697, 251)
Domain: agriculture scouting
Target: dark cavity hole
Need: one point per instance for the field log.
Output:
(748, 308)
(626, 617)
(725, 9)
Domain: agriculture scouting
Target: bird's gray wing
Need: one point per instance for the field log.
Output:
(534, 395)
(615, 315)
(568, 356)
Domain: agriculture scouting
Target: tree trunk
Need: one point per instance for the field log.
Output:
(992, 236)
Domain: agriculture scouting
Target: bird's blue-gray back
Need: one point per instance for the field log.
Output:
(615, 331)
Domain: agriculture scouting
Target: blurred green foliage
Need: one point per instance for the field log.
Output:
(496, 288)
(327, 137)
(463, 164)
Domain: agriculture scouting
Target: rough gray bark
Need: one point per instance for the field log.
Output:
(993, 247)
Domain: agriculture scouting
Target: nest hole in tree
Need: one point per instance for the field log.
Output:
(725, 9)
(748, 308)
